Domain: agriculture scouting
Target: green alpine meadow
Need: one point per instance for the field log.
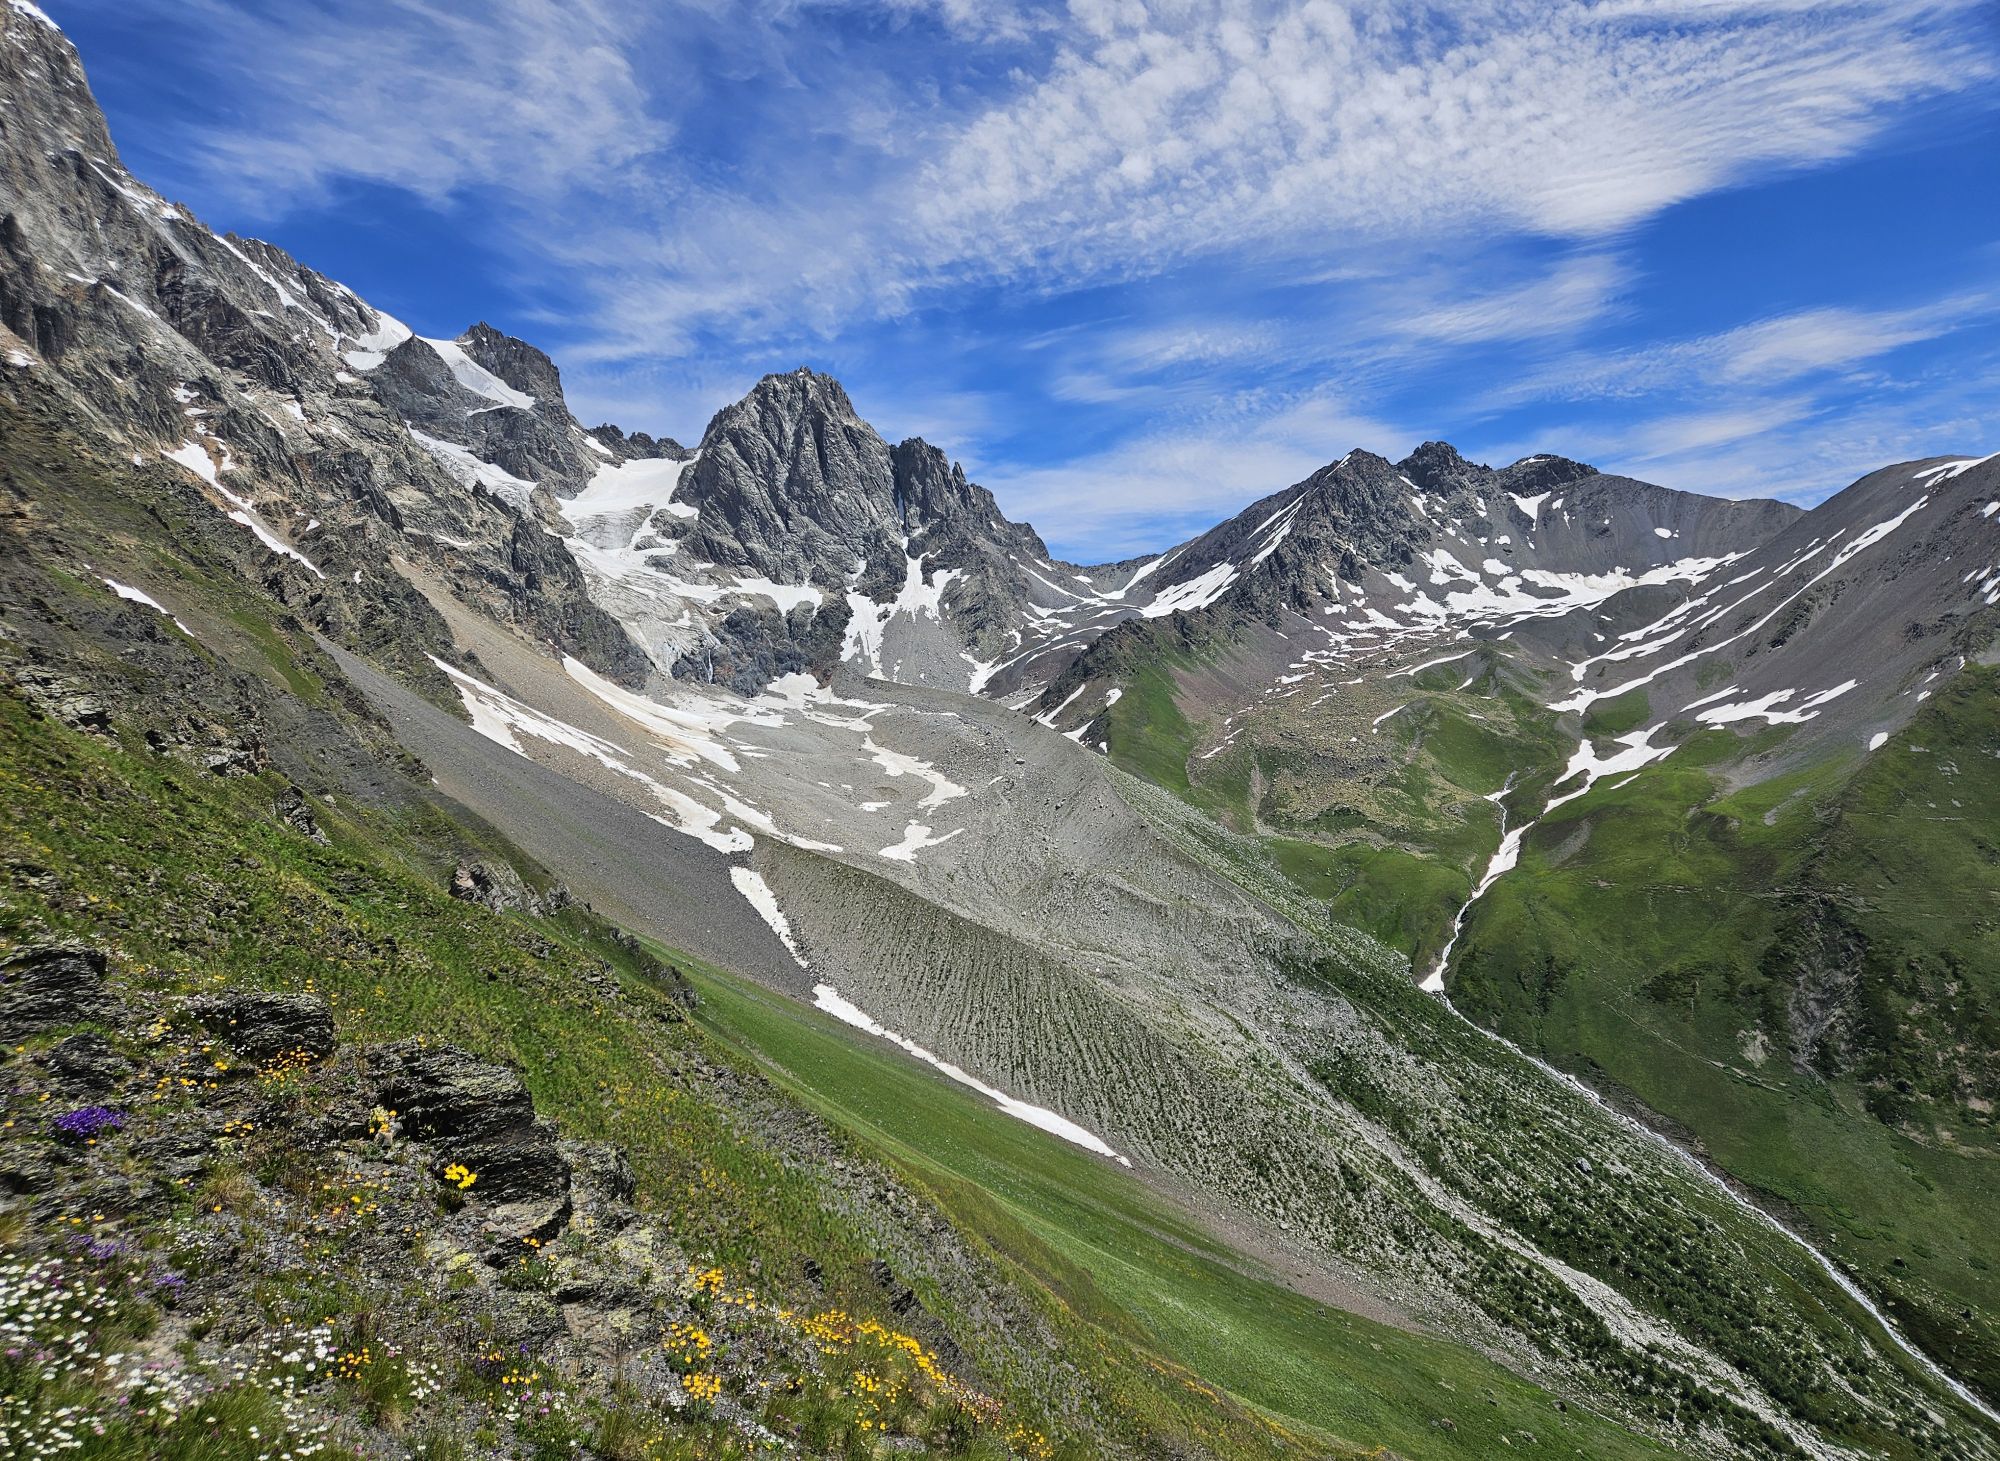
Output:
(524, 940)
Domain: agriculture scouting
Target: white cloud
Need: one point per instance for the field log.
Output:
(1764, 353)
(1576, 292)
(532, 97)
(1801, 445)
(1168, 132)
(1110, 142)
(1667, 438)
(1826, 339)
(1150, 491)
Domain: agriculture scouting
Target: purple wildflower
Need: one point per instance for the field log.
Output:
(88, 1122)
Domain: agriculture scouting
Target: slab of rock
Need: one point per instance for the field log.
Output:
(479, 1115)
(267, 1026)
(88, 1063)
(48, 987)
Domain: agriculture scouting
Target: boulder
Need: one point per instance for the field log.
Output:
(500, 888)
(51, 986)
(478, 1115)
(87, 1063)
(264, 1027)
(291, 809)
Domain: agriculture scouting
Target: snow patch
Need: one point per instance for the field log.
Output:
(466, 469)
(502, 719)
(829, 999)
(272, 541)
(1531, 507)
(140, 596)
(688, 731)
(1934, 477)
(867, 619)
(1192, 593)
(1767, 707)
(476, 377)
(621, 487)
(758, 894)
(943, 788)
(371, 349)
(194, 456)
(916, 837)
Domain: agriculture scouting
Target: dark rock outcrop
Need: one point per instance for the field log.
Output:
(268, 1027)
(497, 887)
(49, 987)
(479, 1116)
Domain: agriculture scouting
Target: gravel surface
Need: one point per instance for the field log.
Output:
(652, 879)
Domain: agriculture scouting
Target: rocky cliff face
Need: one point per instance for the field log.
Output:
(226, 361)
(794, 538)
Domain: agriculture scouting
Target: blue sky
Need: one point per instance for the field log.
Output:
(1134, 263)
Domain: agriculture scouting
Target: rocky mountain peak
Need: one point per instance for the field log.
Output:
(1360, 485)
(1543, 473)
(632, 446)
(788, 398)
(1437, 468)
(932, 490)
(514, 361)
(793, 486)
(40, 58)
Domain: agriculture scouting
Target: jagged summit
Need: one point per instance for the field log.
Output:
(788, 396)
(1544, 471)
(518, 364)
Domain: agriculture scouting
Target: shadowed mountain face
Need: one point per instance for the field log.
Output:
(1646, 780)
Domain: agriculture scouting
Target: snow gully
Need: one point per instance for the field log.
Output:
(1508, 854)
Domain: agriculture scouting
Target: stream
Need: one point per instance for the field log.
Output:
(1504, 858)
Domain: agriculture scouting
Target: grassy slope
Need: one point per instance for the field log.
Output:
(1921, 1212)
(186, 874)
(1389, 841)
(1124, 1258)
(1666, 953)
(191, 884)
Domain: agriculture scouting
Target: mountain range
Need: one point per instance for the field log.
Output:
(1453, 959)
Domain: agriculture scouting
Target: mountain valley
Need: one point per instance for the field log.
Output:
(638, 949)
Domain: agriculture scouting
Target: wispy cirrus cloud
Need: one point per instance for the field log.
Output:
(1161, 486)
(1774, 409)
(1766, 352)
(1105, 140)
(1117, 243)
(1576, 292)
(529, 96)
(1835, 337)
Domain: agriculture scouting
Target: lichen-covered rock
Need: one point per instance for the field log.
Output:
(48, 987)
(267, 1027)
(88, 1064)
(61, 699)
(293, 811)
(602, 1182)
(500, 888)
(478, 1117)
